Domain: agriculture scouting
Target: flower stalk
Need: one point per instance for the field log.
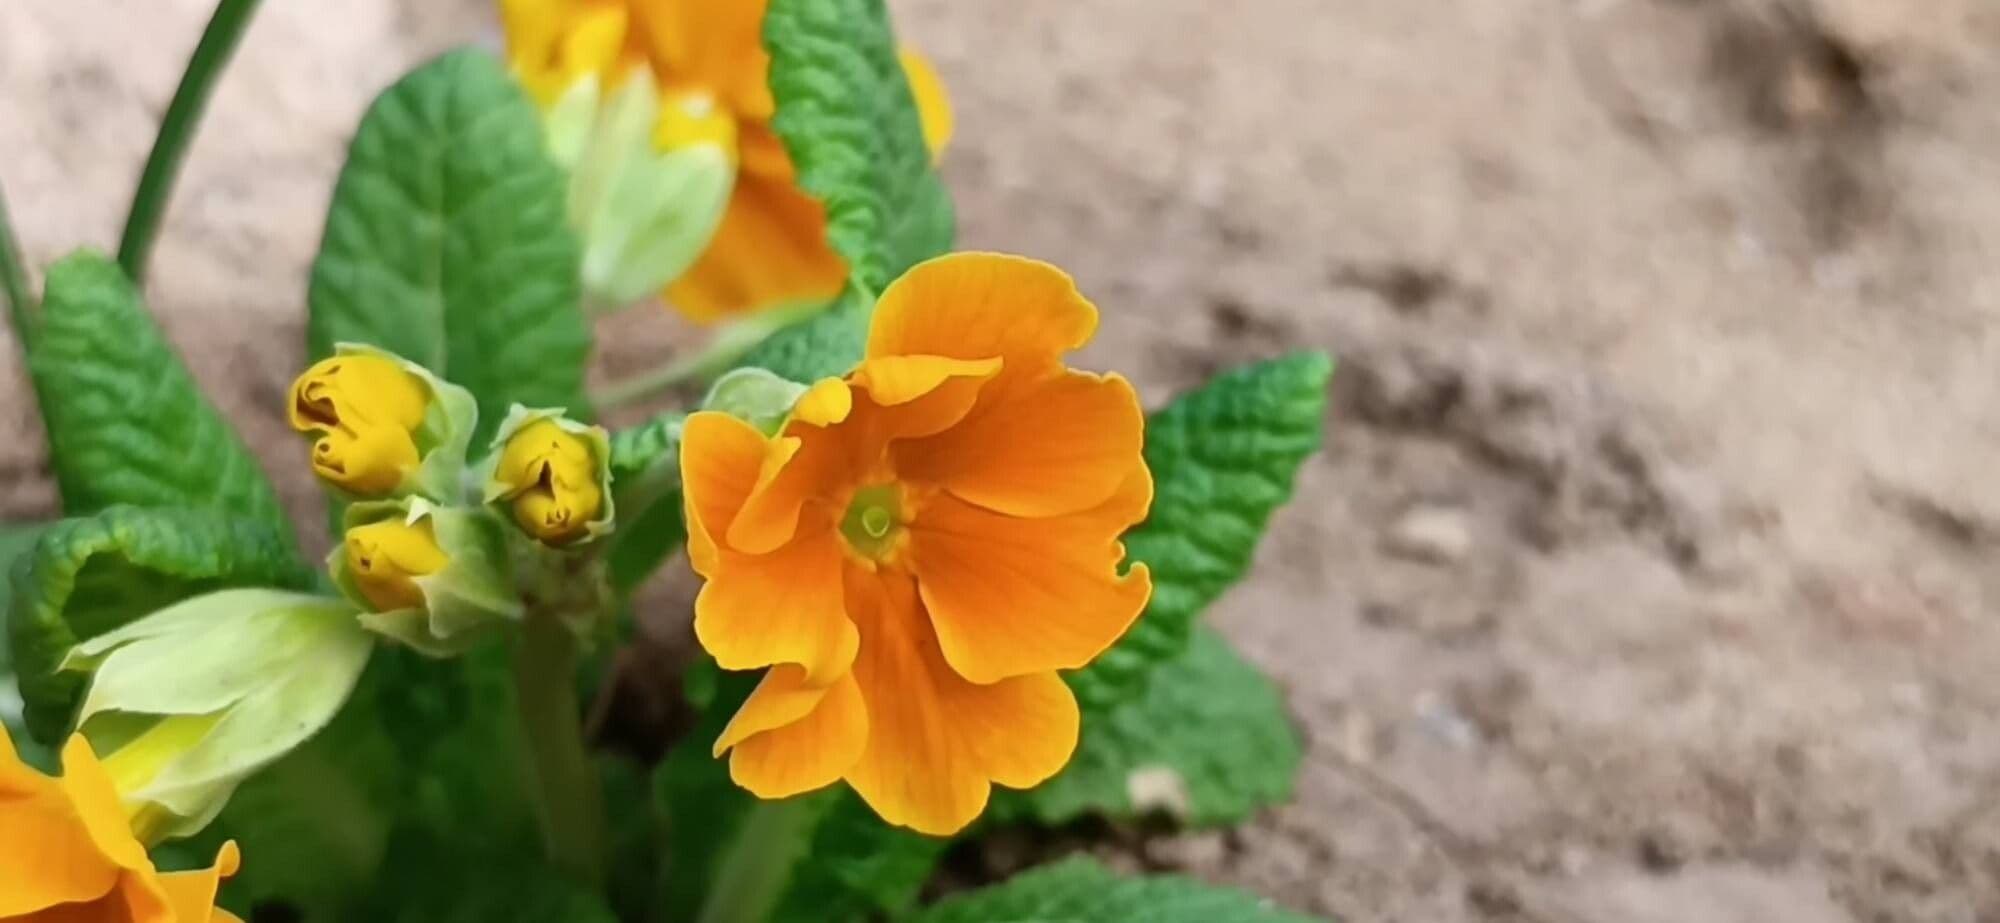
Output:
(730, 344)
(562, 779)
(13, 277)
(156, 184)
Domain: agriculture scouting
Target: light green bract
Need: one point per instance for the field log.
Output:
(644, 214)
(756, 396)
(188, 701)
(471, 597)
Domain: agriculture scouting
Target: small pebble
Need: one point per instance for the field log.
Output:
(1430, 533)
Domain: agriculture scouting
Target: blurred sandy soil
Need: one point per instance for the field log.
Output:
(1650, 574)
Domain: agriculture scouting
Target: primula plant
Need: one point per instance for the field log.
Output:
(950, 583)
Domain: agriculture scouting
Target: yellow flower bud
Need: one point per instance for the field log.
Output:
(386, 558)
(352, 390)
(370, 462)
(366, 410)
(550, 477)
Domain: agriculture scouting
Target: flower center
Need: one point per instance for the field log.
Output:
(874, 521)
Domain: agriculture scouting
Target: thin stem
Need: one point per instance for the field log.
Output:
(730, 344)
(149, 202)
(768, 846)
(681, 369)
(567, 798)
(14, 279)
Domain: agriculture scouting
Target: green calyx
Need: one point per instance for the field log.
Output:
(873, 522)
(445, 609)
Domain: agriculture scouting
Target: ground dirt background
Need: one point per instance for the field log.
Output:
(1649, 573)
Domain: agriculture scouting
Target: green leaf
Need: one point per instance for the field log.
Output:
(1209, 743)
(703, 809)
(1223, 458)
(446, 242)
(638, 450)
(316, 823)
(444, 879)
(89, 576)
(636, 830)
(402, 802)
(126, 422)
(645, 478)
(851, 126)
(825, 345)
(16, 539)
(1082, 891)
(644, 542)
(856, 867)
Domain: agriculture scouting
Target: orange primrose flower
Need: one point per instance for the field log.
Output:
(66, 853)
(920, 549)
(708, 60)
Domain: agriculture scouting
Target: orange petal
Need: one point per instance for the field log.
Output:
(95, 799)
(933, 103)
(871, 427)
(769, 249)
(782, 607)
(892, 380)
(1055, 446)
(47, 856)
(192, 894)
(976, 305)
(936, 743)
(1010, 596)
(721, 457)
(790, 737)
(717, 46)
(809, 461)
(781, 697)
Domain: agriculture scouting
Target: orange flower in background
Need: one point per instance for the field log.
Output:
(66, 853)
(708, 61)
(922, 547)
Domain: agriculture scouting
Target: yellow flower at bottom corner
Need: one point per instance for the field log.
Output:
(915, 564)
(67, 854)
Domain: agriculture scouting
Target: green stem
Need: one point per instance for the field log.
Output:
(771, 841)
(729, 345)
(14, 279)
(567, 797)
(149, 202)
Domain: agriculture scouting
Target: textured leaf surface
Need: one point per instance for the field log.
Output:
(828, 344)
(126, 422)
(88, 576)
(1223, 458)
(446, 242)
(638, 450)
(645, 473)
(847, 118)
(1082, 891)
(16, 539)
(400, 806)
(1209, 743)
